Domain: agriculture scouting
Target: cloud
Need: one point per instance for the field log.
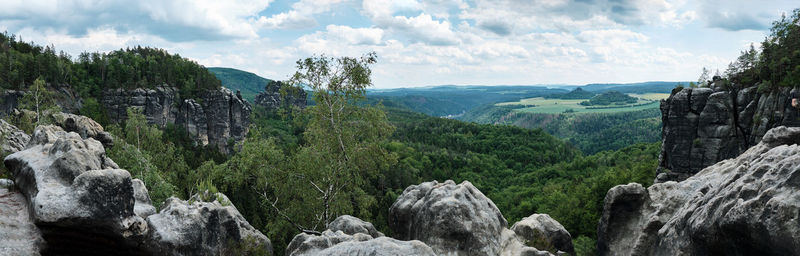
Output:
(299, 17)
(420, 28)
(734, 21)
(178, 20)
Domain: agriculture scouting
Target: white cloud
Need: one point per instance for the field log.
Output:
(300, 16)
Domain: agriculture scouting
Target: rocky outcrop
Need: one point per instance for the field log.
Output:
(12, 139)
(84, 126)
(18, 234)
(348, 235)
(72, 194)
(216, 117)
(63, 95)
(542, 232)
(455, 220)
(273, 97)
(749, 205)
(207, 224)
(702, 126)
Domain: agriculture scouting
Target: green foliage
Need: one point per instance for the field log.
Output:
(21, 63)
(94, 110)
(585, 246)
(39, 100)
(578, 93)
(610, 98)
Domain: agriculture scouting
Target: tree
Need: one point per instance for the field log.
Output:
(342, 147)
(38, 99)
(702, 81)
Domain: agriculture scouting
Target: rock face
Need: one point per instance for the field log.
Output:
(348, 235)
(217, 118)
(18, 234)
(542, 232)
(743, 206)
(84, 126)
(72, 194)
(12, 139)
(76, 193)
(272, 97)
(455, 220)
(703, 126)
(203, 227)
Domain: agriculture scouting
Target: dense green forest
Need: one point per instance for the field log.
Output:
(247, 83)
(140, 67)
(609, 98)
(576, 94)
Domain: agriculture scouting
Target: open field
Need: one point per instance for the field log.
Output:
(650, 96)
(554, 106)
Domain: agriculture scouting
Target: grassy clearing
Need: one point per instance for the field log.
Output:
(650, 96)
(554, 106)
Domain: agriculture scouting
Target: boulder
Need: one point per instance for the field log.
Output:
(351, 225)
(743, 206)
(76, 194)
(206, 224)
(12, 139)
(543, 232)
(348, 235)
(455, 220)
(84, 126)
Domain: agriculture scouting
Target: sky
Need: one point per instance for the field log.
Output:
(419, 42)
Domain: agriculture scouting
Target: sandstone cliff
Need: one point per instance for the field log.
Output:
(273, 98)
(218, 117)
(744, 206)
(702, 126)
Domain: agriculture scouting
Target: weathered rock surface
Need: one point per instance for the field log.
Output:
(76, 193)
(13, 139)
(348, 235)
(455, 220)
(82, 204)
(749, 205)
(543, 232)
(703, 126)
(272, 97)
(18, 234)
(84, 126)
(198, 227)
(218, 117)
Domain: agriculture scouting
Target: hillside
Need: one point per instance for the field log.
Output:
(247, 83)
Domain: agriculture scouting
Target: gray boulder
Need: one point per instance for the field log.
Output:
(351, 225)
(742, 206)
(455, 220)
(76, 194)
(84, 126)
(12, 139)
(18, 234)
(543, 232)
(206, 224)
(349, 235)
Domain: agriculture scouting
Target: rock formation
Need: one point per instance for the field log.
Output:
(743, 206)
(702, 126)
(545, 233)
(69, 198)
(455, 220)
(272, 97)
(217, 117)
(203, 227)
(12, 139)
(84, 126)
(348, 235)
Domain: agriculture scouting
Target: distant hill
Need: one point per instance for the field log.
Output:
(576, 94)
(248, 83)
(644, 87)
